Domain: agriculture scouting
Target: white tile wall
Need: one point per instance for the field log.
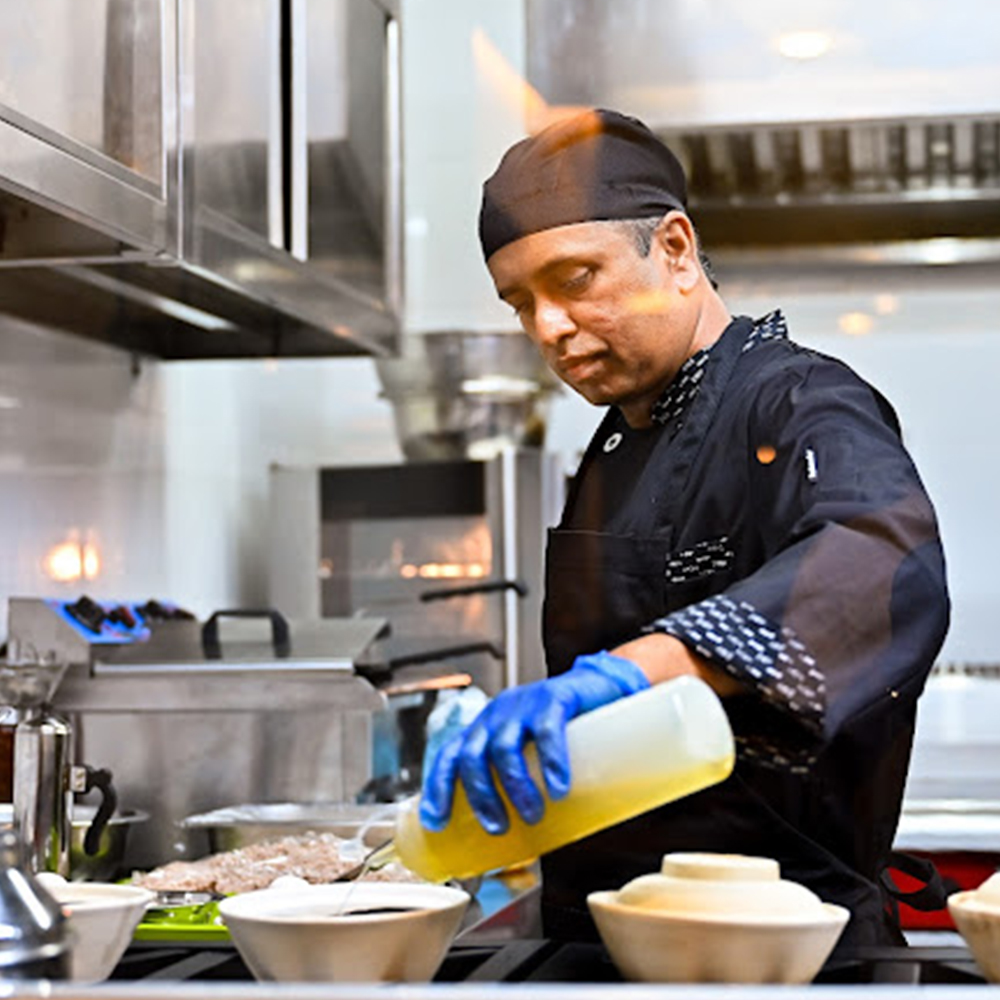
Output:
(82, 443)
(162, 468)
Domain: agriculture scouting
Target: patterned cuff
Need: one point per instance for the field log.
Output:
(774, 754)
(756, 651)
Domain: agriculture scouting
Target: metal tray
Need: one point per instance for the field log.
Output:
(237, 826)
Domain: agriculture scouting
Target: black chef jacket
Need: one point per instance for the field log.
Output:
(774, 523)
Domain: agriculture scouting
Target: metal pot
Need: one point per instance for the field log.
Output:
(105, 864)
(466, 394)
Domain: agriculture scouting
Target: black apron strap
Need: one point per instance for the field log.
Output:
(933, 893)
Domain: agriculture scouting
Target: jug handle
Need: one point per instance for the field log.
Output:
(99, 777)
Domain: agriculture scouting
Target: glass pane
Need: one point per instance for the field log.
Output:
(346, 122)
(90, 72)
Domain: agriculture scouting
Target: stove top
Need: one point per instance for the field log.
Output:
(541, 960)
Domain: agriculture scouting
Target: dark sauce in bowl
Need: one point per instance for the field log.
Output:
(366, 911)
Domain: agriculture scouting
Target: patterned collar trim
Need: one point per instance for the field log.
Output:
(669, 410)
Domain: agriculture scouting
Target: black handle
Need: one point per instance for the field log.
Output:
(280, 640)
(381, 671)
(486, 587)
(430, 655)
(99, 777)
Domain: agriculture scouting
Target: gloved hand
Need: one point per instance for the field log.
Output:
(497, 737)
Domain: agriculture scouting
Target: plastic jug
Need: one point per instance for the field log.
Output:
(626, 758)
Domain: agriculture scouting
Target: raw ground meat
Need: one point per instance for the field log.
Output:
(313, 857)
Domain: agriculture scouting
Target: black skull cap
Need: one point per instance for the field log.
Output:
(591, 166)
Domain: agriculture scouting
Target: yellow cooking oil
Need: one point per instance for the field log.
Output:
(626, 758)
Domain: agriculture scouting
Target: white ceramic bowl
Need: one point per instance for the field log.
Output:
(102, 920)
(717, 918)
(976, 913)
(315, 934)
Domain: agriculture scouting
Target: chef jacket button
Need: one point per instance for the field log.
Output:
(613, 442)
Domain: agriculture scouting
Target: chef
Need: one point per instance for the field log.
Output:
(746, 512)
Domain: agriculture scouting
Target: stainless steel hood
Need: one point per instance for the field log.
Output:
(186, 185)
(868, 197)
(858, 140)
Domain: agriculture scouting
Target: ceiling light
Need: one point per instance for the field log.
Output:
(804, 44)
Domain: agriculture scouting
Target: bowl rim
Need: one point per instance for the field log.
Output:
(966, 901)
(831, 915)
(234, 906)
(94, 896)
(84, 813)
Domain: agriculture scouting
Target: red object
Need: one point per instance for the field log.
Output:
(959, 869)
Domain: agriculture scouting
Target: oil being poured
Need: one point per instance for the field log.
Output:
(376, 858)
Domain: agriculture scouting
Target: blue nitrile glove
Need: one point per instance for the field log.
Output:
(497, 737)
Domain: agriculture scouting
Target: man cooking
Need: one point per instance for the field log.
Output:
(745, 512)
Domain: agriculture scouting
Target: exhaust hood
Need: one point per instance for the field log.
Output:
(837, 139)
(868, 195)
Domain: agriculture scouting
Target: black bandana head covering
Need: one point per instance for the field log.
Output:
(593, 166)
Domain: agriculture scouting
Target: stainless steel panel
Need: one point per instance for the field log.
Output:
(949, 825)
(458, 394)
(182, 734)
(354, 554)
(346, 145)
(91, 73)
(727, 62)
(881, 139)
(174, 764)
(232, 133)
(87, 145)
(957, 746)
(192, 259)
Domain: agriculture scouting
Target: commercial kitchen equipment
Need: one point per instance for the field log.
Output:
(43, 777)
(873, 159)
(190, 715)
(186, 184)
(448, 551)
(464, 394)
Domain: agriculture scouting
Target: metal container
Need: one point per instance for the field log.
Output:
(459, 394)
(278, 714)
(237, 826)
(105, 865)
(34, 940)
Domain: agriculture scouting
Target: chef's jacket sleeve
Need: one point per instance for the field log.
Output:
(849, 603)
